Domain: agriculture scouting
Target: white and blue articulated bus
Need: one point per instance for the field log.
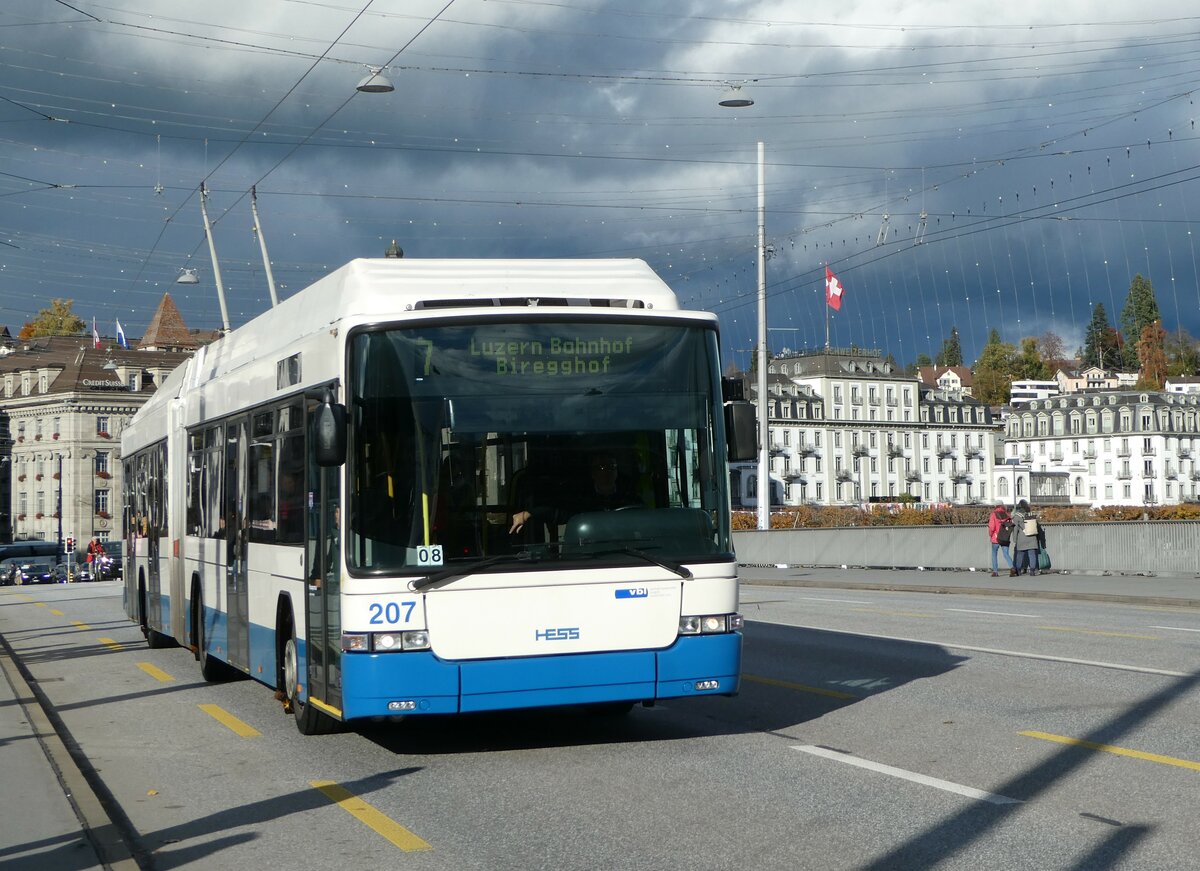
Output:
(432, 487)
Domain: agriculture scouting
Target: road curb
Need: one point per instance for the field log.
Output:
(70, 766)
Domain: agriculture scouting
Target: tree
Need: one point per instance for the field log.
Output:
(1052, 350)
(58, 320)
(1030, 364)
(1141, 310)
(1183, 358)
(1152, 357)
(1101, 343)
(951, 354)
(923, 360)
(994, 371)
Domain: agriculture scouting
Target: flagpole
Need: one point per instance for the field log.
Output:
(827, 318)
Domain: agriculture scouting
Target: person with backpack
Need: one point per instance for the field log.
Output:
(1027, 538)
(1000, 530)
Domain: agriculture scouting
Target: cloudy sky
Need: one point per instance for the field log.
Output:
(965, 164)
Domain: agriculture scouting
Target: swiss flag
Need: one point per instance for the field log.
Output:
(833, 290)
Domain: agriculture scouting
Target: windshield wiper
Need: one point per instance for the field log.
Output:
(669, 565)
(457, 572)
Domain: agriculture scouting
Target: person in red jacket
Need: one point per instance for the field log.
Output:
(1000, 527)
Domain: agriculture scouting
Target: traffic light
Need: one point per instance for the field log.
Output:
(70, 543)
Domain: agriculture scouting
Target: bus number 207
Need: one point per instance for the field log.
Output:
(389, 614)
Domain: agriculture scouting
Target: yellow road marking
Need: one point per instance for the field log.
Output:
(775, 682)
(56, 612)
(370, 817)
(40, 604)
(891, 613)
(1098, 632)
(1119, 751)
(110, 643)
(230, 722)
(154, 672)
(79, 625)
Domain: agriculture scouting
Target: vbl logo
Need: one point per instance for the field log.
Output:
(564, 633)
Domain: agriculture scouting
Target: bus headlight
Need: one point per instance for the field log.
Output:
(391, 642)
(386, 641)
(710, 624)
(416, 639)
(355, 641)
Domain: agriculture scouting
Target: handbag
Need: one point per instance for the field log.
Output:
(1043, 559)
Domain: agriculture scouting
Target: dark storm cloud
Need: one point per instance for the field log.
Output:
(591, 129)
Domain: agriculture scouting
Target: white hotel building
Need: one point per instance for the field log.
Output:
(846, 428)
(1106, 448)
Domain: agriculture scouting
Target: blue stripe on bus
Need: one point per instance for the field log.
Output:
(371, 681)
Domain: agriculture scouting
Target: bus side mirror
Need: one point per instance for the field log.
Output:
(741, 431)
(329, 432)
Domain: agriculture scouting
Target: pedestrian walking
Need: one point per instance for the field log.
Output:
(1000, 530)
(1026, 539)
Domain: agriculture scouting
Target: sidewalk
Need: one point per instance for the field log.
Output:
(46, 798)
(1161, 590)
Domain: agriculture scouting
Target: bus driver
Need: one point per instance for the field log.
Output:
(604, 495)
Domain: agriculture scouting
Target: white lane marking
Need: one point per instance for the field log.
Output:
(1175, 628)
(1141, 669)
(997, 613)
(923, 779)
(841, 601)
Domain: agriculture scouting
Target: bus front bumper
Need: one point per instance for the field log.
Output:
(388, 684)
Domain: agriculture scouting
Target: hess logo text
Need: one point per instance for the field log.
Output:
(562, 633)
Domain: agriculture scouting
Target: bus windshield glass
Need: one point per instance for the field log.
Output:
(487, 442)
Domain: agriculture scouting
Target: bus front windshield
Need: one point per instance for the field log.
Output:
(598, 441)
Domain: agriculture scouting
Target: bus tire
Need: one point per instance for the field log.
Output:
(211, 668)
(154, 640)
(309, 720)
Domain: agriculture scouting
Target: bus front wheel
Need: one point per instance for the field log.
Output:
(309, 720)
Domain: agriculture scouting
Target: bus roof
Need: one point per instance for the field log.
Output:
(376, 290)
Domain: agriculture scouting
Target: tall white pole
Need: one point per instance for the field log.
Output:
(212, 251)
(764, 430)
(262, 243)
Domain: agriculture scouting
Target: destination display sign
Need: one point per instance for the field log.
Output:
(553, 354)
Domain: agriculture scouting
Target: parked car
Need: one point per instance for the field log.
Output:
(37, 573)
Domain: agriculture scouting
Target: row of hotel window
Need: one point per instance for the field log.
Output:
(1080, 423)
(26, 386)
(1182, 449)
(100, 502)
(103, 427)
(854, 438)
(100, 464)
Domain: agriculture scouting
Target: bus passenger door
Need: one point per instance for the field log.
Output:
(323, 638)
(236, 538)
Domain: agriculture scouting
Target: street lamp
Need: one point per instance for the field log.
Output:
(735, 99)
(375, 83)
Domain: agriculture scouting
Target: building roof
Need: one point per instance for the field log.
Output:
(837, 363)
(77, 367)
(931, 374)
(168, 332)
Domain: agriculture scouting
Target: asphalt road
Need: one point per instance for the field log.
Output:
(875, 730)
